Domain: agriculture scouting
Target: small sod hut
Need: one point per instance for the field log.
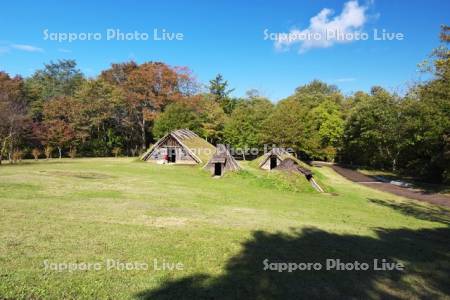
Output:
(280, 159)
(180, 146)
(289, 164)
(222, 161)
(273, 158)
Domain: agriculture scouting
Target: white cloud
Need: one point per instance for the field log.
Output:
(324, 30)
(27, 48)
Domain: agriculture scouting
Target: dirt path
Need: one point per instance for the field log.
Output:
(369, 181)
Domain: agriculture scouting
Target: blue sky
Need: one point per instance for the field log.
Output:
(228, 37)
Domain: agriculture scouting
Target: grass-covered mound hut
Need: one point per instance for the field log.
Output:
(222, 161)
(281, 160)
(180, 146)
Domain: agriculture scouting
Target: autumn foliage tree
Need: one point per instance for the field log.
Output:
(118, 73)
(13, 113)
(57, 128)
(56, 133)
(152, 86)
(100, 117)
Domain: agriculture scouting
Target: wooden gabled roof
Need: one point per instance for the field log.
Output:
(281, 153)
(222, 155)
(182, 134)
(287, 160)
(199, 149)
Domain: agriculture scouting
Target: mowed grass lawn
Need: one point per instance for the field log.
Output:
(221, 230)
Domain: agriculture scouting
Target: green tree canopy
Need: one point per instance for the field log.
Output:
(177, 116)
(243, 129)
(61, 78)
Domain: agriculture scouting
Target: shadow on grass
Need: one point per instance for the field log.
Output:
(432, 188)
(29, 162)
(427, 213)
(81, 175)
(424, 253)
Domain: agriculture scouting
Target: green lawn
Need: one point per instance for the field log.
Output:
(221, 230)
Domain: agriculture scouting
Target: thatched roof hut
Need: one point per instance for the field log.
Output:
(222, 161)
(180, 146)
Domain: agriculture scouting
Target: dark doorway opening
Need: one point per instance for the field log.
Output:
(172, 155)
(273, 162)
(217, 169)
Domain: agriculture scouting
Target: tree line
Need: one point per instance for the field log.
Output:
(58, 111)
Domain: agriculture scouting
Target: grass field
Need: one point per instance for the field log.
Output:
(97, 210)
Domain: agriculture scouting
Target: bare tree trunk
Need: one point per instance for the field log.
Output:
(10, 144)
(10, 154)
(144, 138)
